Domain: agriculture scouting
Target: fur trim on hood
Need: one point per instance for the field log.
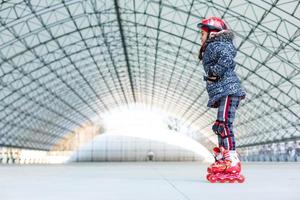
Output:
(224, 35)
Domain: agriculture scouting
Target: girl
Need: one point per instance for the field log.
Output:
(225, 92)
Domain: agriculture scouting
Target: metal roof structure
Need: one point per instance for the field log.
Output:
(64, 63)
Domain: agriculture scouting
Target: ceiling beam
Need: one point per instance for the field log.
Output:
(117, 8)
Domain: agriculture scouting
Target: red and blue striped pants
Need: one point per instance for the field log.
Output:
(226, 113)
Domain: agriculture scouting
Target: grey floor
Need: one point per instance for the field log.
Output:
(145, 181)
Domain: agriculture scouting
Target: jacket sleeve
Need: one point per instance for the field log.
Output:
(223, 54)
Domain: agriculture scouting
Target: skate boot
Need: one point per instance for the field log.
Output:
(226, 170)
(217, 153)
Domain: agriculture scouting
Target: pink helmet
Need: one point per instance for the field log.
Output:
(214, 24)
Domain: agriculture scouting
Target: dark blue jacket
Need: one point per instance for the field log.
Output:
(218, 60)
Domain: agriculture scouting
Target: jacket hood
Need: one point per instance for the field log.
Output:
(224, 35)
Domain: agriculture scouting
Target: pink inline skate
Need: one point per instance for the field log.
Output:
(227, 167)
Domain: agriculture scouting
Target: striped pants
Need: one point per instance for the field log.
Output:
(226, 113)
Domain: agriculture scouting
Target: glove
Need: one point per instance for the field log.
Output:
(211, 78)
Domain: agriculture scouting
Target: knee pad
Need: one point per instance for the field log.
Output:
(219, 128)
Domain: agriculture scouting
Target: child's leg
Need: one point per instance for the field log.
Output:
(226, 114)
(228, 167)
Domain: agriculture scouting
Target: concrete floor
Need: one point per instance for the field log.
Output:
(145, 181)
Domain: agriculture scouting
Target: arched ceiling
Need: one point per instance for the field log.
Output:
(65, 63)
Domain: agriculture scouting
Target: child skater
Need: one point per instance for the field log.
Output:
(225, 93)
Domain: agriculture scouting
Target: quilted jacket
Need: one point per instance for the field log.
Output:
(218, 60)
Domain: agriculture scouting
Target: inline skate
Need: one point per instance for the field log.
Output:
(226, 168)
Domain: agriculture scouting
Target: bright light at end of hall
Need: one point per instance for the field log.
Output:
(134, 118)
(140, 121)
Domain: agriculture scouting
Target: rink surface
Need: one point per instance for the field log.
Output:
(145, 181)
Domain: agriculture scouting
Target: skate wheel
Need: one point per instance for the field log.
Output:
(241, 179)
(212, 179)
(232, 180)
(223, 180)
